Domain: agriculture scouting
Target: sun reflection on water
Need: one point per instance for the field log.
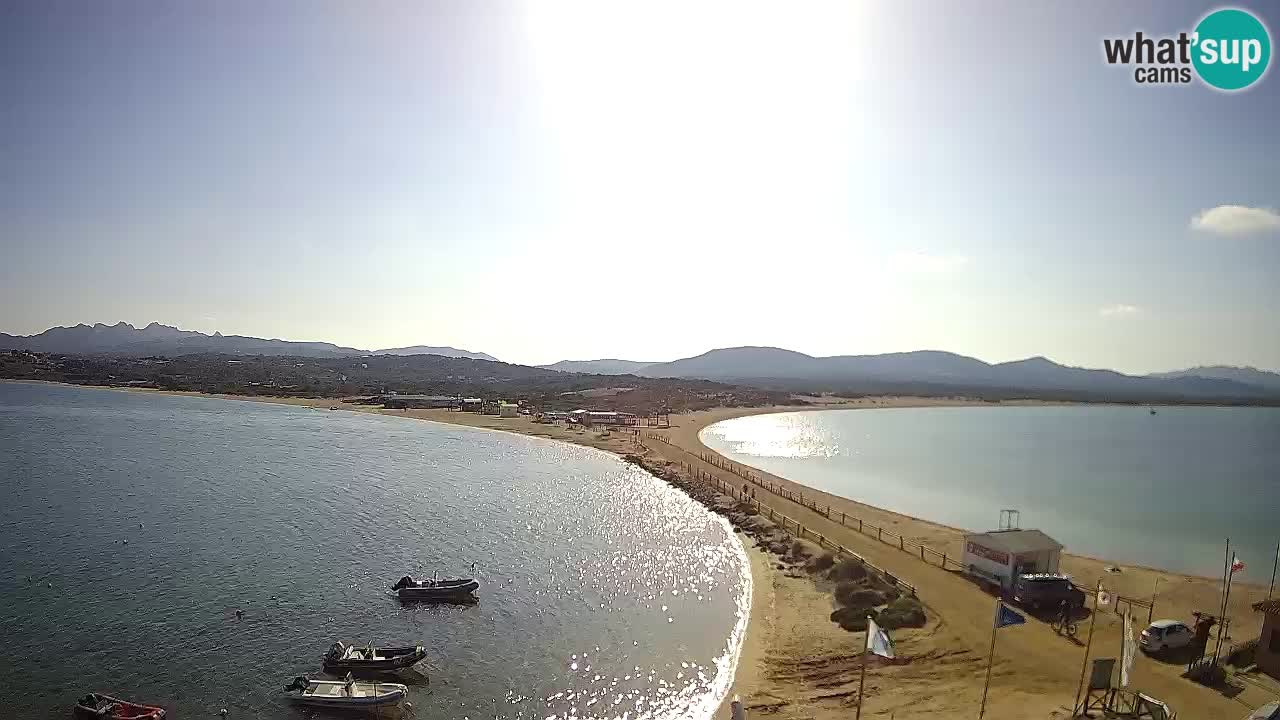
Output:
(785, 435)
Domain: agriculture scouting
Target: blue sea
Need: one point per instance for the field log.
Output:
(1162, 490)
(134, 526)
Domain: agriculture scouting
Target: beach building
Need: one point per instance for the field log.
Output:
(508, 410)
(1267, 656)
(419, 401)
(1000, 556)
(472, 404)
(602, 417)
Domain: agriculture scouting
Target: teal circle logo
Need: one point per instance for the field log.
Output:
(1231, 49)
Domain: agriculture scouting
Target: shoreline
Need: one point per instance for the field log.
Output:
(934, 523)
(789, 635)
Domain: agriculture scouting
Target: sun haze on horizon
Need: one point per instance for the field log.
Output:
(552, 180)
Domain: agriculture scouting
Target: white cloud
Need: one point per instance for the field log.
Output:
(922, 262)
(1119, 310)
(1236, 220)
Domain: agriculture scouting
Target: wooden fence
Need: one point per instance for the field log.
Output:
(888, 537)
(789, 525)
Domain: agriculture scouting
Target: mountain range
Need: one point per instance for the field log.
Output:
(925, 372)
(935, 371)
(156, 339)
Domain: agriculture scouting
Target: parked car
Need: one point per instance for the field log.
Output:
(1270, 711)
(1166, 635)
(1046, 590)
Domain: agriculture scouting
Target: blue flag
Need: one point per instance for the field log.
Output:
(1006, 616)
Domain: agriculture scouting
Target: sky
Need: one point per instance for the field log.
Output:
(648, 180)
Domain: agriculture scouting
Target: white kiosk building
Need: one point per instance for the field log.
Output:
(1000, 556)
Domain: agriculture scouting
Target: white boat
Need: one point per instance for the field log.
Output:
(345, 693)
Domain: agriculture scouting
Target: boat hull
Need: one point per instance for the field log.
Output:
(330, 693)
(458, 591)
(107, 707)
(391, 659)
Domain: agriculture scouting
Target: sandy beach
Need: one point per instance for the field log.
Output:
(797, 663)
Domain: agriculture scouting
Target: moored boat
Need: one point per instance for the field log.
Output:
(343, 659)
(453, 590)
(105, 707)
(345, 693)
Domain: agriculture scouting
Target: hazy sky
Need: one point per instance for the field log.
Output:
(647, 180)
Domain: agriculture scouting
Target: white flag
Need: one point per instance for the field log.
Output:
(1128, 651)
(878, 640)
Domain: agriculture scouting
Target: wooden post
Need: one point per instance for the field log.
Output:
(944, 561)
(1087, 646)
(859, 524)
(922, 552)
(863, 680)
(841, 518)
(880, 534)
(902, 544)
(1274, 564)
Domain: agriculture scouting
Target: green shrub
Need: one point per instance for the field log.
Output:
(906, 611)
(852, 619)
(822, 563)
(848, 569)
(853, 595)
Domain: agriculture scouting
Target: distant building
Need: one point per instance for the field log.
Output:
(1000, 556)
(602, 417)
(1267, 656)
(420, 401)
(508, 410)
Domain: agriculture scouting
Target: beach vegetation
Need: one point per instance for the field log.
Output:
(848, 569)
(822, 563)
(906, 611)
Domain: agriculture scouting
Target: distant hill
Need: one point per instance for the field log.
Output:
(442, 351)
(1249, 375)
(156, 339)
(935, 372)
(599, 367)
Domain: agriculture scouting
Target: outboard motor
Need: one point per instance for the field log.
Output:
(404, 582)
(299, 683)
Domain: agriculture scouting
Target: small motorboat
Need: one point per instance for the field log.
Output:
(105, 707)
(453, 590)
(369, 659)
(345, 693)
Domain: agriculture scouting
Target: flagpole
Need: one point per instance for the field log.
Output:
(1222, 610)
(863, 680)
(1087, 646)
(991, 655)
(1274, 564)
(1123, 638)
(1222, 627)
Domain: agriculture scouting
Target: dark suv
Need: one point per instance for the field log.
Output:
(1046, 591)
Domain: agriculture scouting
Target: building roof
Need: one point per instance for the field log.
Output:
(1016, 541)
(1270, 607)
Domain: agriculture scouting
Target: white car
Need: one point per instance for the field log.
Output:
(1166, 635)
(1270, 711)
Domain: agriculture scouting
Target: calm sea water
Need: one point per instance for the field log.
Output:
(1160, 490)
(605, 592)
